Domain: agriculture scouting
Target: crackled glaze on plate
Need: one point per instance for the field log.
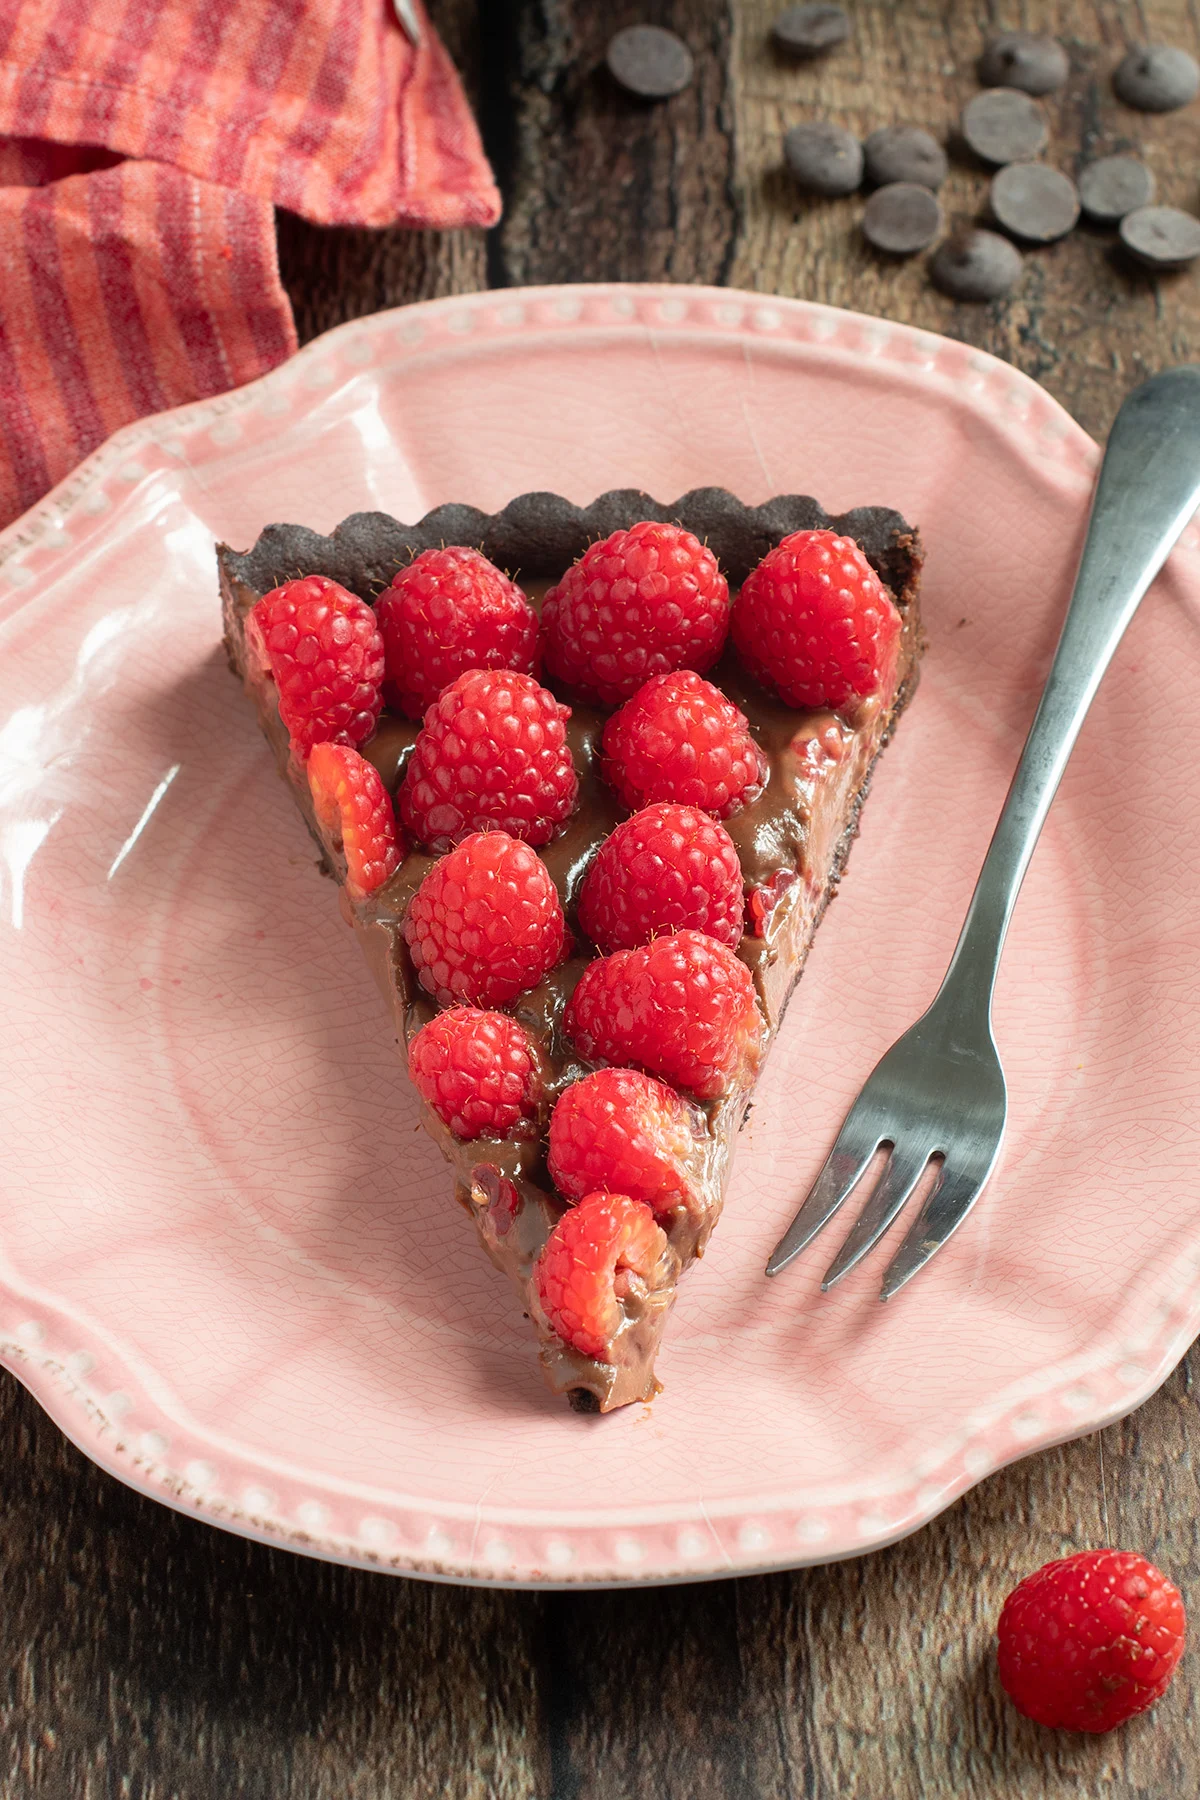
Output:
(230, 1266)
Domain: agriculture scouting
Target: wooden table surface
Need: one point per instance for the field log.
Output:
(145, 1656)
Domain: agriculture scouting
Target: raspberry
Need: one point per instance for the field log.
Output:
(477, 1071)
(605, 1250)
(1091, 1640)
(492, 752)
(323, 648)
(762, 901)
(682, 1007)
(451, 610)
(623, 1131)
(354, 811)
(643, 602)
(680, 739)
(485, 925)
(669, 868)
(814, 623)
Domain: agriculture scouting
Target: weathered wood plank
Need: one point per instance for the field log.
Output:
(601, 186)
(147, 1657)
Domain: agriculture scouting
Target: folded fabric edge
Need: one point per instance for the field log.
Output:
(415, 158)
(127, 291)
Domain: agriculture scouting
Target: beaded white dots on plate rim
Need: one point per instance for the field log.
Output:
(380, 1534)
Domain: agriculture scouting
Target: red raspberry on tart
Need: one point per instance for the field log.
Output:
(478, 1071)
(322, 647)
(639, 1061)
(814, 623)
(668, 868)
(643, 602)
(625, 1131)
(603, 1252)
(682, 1007)
(354, 811)
(485, 925)
(492, 755)
(448, 611)
(680, 739)
(1090, 1640)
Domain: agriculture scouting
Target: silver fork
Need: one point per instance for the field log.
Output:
(939, 1092)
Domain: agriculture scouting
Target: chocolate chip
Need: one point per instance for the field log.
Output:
(1034, 202)
(905, 153)
(976, 265)
(1161, 237)
(650, 62)
(824, 158)
(1114, 186)
(902, 218)
(1004, 126)
(811, 30)
(1021, 59)
(1155, 78)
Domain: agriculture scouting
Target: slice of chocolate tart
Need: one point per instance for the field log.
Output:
(792, 829)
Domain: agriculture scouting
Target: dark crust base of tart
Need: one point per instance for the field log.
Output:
(503, 1184)
(541, 534)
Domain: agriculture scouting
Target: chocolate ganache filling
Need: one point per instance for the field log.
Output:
(792, 842)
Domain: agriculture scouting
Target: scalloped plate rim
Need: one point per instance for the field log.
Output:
(98, 1434)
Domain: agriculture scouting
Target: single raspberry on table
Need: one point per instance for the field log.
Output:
(605, 1250)
(682, 1007)
(814, 623)
(323, 648)
(680, 739)
(354, 812)
(626, 1132)
(492, 753)
(1089, 1641)
(645, 601)
(478, 1072)
(451, 610)
(485, 925)
(669, 868)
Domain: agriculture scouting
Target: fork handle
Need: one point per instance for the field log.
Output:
(1148, 489)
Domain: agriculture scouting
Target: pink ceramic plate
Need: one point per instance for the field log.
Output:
(230, 1265)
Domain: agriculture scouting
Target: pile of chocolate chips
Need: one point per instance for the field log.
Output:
(1004, 127)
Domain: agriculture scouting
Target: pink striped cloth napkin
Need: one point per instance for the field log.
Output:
(144, 145)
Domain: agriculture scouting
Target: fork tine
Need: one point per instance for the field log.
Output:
(942, 1214)
(843, 1167)
(901, 1174)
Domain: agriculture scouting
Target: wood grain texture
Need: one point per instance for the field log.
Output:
(144, 1656)
(600, 185)
(1084, 321)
